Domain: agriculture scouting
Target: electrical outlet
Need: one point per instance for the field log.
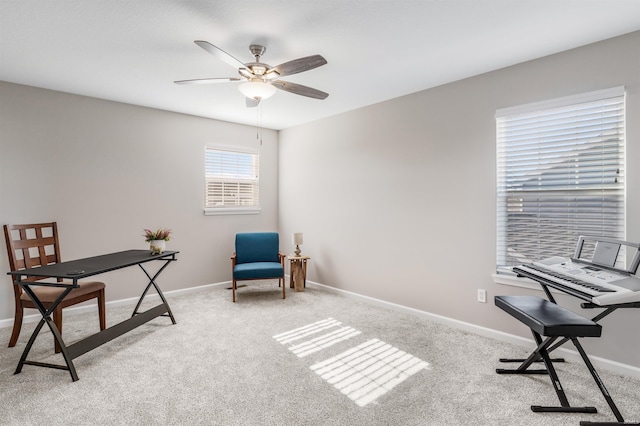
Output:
(482, 295)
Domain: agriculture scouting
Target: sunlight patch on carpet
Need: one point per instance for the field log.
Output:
(307, 330)
(369, 370)
(318, 343)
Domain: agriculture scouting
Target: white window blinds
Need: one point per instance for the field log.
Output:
(232, 180)
(560, 174)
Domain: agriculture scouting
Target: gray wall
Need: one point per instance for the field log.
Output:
(105, 170)
(397, 200)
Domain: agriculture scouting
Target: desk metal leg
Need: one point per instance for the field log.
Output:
(152, 282)
(46, 318)
(63, 349)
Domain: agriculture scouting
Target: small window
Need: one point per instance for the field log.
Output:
(560, 174)
(232, 182)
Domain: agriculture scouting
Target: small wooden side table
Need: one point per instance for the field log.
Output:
(298, 272)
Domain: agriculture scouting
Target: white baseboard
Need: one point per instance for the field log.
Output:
(600, 363)
(613, 366)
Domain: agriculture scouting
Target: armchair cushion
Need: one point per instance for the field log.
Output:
(257, 270)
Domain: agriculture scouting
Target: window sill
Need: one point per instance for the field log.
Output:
(231, 210)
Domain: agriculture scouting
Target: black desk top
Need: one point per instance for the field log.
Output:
(82, 268)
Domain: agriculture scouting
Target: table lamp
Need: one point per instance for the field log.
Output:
(297, 240)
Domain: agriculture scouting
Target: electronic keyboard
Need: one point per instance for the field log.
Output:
(597, 285)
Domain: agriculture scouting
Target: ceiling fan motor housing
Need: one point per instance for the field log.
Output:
(257, 51)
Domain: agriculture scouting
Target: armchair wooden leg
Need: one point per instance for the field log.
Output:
(233, 290)
(281, 280)
(17, 326)
(102, 310)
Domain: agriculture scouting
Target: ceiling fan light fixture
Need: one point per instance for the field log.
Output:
(245, 73)
(257, 89)
(259, 69)
(271, 74)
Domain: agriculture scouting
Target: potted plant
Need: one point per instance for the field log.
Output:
(157, 239)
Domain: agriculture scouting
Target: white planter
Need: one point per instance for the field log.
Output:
(157, 246)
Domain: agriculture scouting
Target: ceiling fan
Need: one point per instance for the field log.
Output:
(261, 80)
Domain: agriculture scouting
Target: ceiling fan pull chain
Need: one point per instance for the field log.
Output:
(258, 124)
(260, 121)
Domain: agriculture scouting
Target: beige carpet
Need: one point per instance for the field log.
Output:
(316, 358)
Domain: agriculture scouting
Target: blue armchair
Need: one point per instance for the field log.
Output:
(257, 257)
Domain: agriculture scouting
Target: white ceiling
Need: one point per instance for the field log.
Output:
(132, 50)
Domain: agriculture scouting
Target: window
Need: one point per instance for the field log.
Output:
(232, 181)
(560, 174)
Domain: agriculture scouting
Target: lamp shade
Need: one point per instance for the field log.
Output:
(297, 238)
(257, 90)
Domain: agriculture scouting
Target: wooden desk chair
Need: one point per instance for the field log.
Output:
(28, 246)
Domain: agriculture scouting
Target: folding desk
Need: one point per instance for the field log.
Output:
(76, 270)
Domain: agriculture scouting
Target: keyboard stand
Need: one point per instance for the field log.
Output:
(607, 311)
(549, 345)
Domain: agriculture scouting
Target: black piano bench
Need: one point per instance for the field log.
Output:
(546, 318)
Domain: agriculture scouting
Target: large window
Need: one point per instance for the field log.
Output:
(560, 174)
(232, 181)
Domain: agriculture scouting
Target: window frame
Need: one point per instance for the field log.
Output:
(502, 194)
(232, 209)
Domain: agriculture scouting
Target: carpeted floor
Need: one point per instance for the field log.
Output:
(316, 358)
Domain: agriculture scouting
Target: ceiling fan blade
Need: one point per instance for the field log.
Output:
(220, 54)
(251, 102)
(299, 65)
(207, 80)
(299, 89)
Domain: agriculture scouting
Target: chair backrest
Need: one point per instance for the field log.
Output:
(257, 247)
(32, 245)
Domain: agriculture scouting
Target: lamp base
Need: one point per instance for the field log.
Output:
(297, 251)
